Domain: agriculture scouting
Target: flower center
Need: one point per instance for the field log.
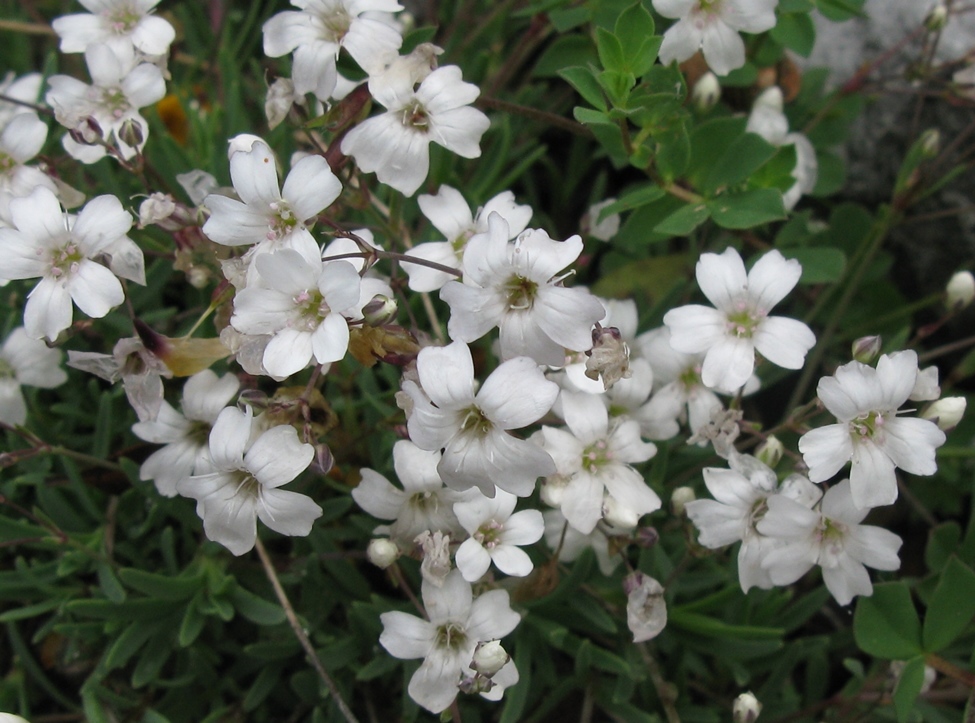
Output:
(744, 319)
(867, 426)
(311, 309)
(709, 6)
(415, 116)
(65, 260)
(335, 25)
(460, 242)
(831, 535)
(283, 220)
(199, 433)
(6, 162)
(690, 378)
(521, 292)
(6, 369)
(451, 636)
(424, 502)
(476, 422)
(115, 102)
(488, 534)
(123, 19)
(757, 512)
(596, 455)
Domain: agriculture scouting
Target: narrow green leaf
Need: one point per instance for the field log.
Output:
(951, 608)
(711, 627)
(164, 587)
(109, 582)
(753, 207)
(192, 623)
(261, 688)
(30, 611)
(640, 196)
(128, 643)
(585, 83)
(610, 51)
(840, 10)
(257, 609)
(886, 625)
(908, 687)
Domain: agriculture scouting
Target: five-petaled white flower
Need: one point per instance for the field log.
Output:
(713, 26)
(831, 537)
(472, 428)
(496, 535)
(316, 33)
(869, 433)
(446, 642)
(514, 286)
(47, 242)
(121, 24)
(740, 325)
(245, 481)
(396, 144)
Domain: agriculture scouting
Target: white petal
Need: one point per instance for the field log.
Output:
(784, 341)
(516, 394)
(289, 351)
(872, 479)
(447, 375)
(722, 278)
(695, 328)
(729, 364)
(288, 513)
(825, 450)
(724, 50)
(229, 437)
(472, 560)
(255, 176)
(310, 187)
(48, 311)
(277, 456)
(771, 278)
(512, 560)
(911, 444)
(406, 636)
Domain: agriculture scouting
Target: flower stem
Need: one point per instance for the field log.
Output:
(299, 632)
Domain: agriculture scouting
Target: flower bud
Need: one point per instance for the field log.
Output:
(960, 290)
(866, 348)
(706, 93)
(601, 230)
(647, 537)
(618, 515)
(646, 610)
(946, 413)
(87, 132)
(746, 708)
(937, 18)
(552, 490)
(930, 142)
(380, 310)
(489, 658)
(679, 499)
(770, 451)
(280, 97)
(323, 461)
(131, 133)
(382, 552)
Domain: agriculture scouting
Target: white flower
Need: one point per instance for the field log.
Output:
(713, 26)
(768, 121)
(741, 501)
(831, 537)
(316, 33)
(514, 286)
(120, 86)
(865, 402)
(185, 435)
(423, 503)
(396, 144)
(20, 140)
(595, 457)
(302, 305)
(450, 215)
(48, 243)
(446, 642)
(740, 325)
(496, 536)
(25, 362)
(26, 88)
(122, 24)
(266, 216)
(244, 485)
(472, 428)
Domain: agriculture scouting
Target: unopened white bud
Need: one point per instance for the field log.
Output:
(382, 552)
(706, 93)
(931, 142)
(489, 658)
(937, 18)
(380, 310)
(552, 490)
(960, 290)
(679, 499)
(607, 228)
(946, 413)
(866, 348)
(619, 515)
(746, 708)
(770, 451)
